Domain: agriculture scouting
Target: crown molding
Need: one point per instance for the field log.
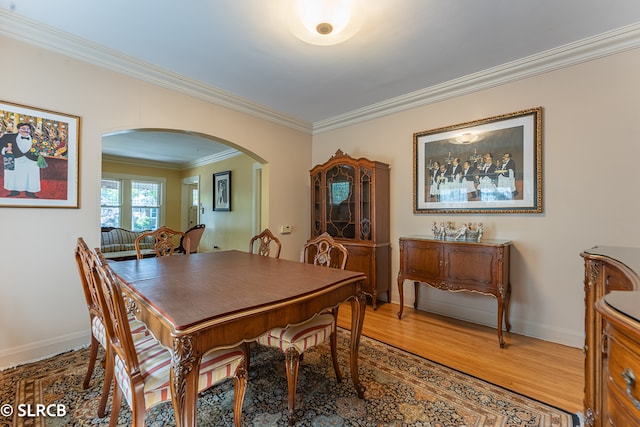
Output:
(29, 31)
(23, 29)
(609, 43)
(207, 160)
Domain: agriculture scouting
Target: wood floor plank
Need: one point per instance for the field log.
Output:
(545, 371)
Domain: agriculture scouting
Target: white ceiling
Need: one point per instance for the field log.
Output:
(244, 49)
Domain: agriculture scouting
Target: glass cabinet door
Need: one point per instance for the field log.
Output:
(340, 202)
(317, 215)
(366, 210)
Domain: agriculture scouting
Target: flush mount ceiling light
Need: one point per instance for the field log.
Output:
(324, 22)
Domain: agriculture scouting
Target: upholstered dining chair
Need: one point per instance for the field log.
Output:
(293, 340)
(164, 241)
(195, 235)
(86, 267)
(142, 368)
(262, 244)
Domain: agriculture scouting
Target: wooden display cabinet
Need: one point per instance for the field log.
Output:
(606, 269)
(481, 267)
(350, 201)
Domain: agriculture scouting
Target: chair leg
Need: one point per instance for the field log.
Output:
(292, 364)
(93, 354)
(240, 384)
(333, 340)
(247, 355)
(115, 407)
(334, 355)
(106, 385)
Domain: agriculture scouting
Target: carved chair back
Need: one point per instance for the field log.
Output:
(323, 250)
(164, 241)
(264, 242)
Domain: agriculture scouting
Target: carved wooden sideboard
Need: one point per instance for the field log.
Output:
(481, 267)
(621, 313)
(606, 269)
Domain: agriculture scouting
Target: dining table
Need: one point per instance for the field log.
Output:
(203, 301)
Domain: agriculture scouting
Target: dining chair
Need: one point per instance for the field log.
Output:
(86, 265)
(164, 241)
(142, 368)
(195, 235)
(293, 340)
(264, 242)
(261, 244)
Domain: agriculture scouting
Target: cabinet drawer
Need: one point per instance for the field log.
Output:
(624, 355)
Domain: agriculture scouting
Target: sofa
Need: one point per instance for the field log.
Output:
(119, 244)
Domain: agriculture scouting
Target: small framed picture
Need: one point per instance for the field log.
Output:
(222, 191)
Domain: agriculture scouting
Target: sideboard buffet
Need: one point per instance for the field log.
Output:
(621, 313)
(480, 267)
(606, 269)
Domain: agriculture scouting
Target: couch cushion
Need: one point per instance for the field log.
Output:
(119, 239)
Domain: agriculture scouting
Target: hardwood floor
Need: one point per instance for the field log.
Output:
(548, 372)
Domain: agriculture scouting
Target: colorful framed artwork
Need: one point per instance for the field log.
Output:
(222, 191)
(493, 165)
(39, 151)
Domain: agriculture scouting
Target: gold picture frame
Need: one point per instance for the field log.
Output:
(493, 165)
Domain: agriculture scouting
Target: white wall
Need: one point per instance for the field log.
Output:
(42, 308)
(591, 196)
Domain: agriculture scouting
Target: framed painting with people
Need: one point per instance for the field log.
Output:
(39, 150)
(493, 165)
(222, 191)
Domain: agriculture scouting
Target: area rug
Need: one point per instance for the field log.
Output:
(402, 389)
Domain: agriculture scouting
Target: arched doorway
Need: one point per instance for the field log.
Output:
(187, 161)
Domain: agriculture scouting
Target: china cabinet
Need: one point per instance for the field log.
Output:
(350, 201)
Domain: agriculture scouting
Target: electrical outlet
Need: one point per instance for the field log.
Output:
(285, 229)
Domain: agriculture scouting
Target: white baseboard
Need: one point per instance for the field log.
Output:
(33, 352)
(489, 318)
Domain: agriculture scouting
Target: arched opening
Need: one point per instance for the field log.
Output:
(186, 164)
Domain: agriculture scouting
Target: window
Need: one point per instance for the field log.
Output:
(110, 196)
(134, 203)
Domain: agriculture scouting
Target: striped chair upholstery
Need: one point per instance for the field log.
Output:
(86, 267)
(142, 367)
(302, 336)
(293, 340)
(155, 363)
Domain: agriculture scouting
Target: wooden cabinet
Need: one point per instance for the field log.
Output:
(481, 267)
(350, 201)
(606, 269)
(621, 312)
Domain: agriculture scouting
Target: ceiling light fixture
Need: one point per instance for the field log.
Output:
(324, 22)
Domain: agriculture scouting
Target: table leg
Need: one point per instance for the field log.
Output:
(185, 366)
(358, 306)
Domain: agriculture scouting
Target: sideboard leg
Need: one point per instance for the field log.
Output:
(401, 292)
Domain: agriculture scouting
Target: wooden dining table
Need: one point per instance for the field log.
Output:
(204, 301)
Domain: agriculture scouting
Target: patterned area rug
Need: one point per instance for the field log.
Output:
(401, 390)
